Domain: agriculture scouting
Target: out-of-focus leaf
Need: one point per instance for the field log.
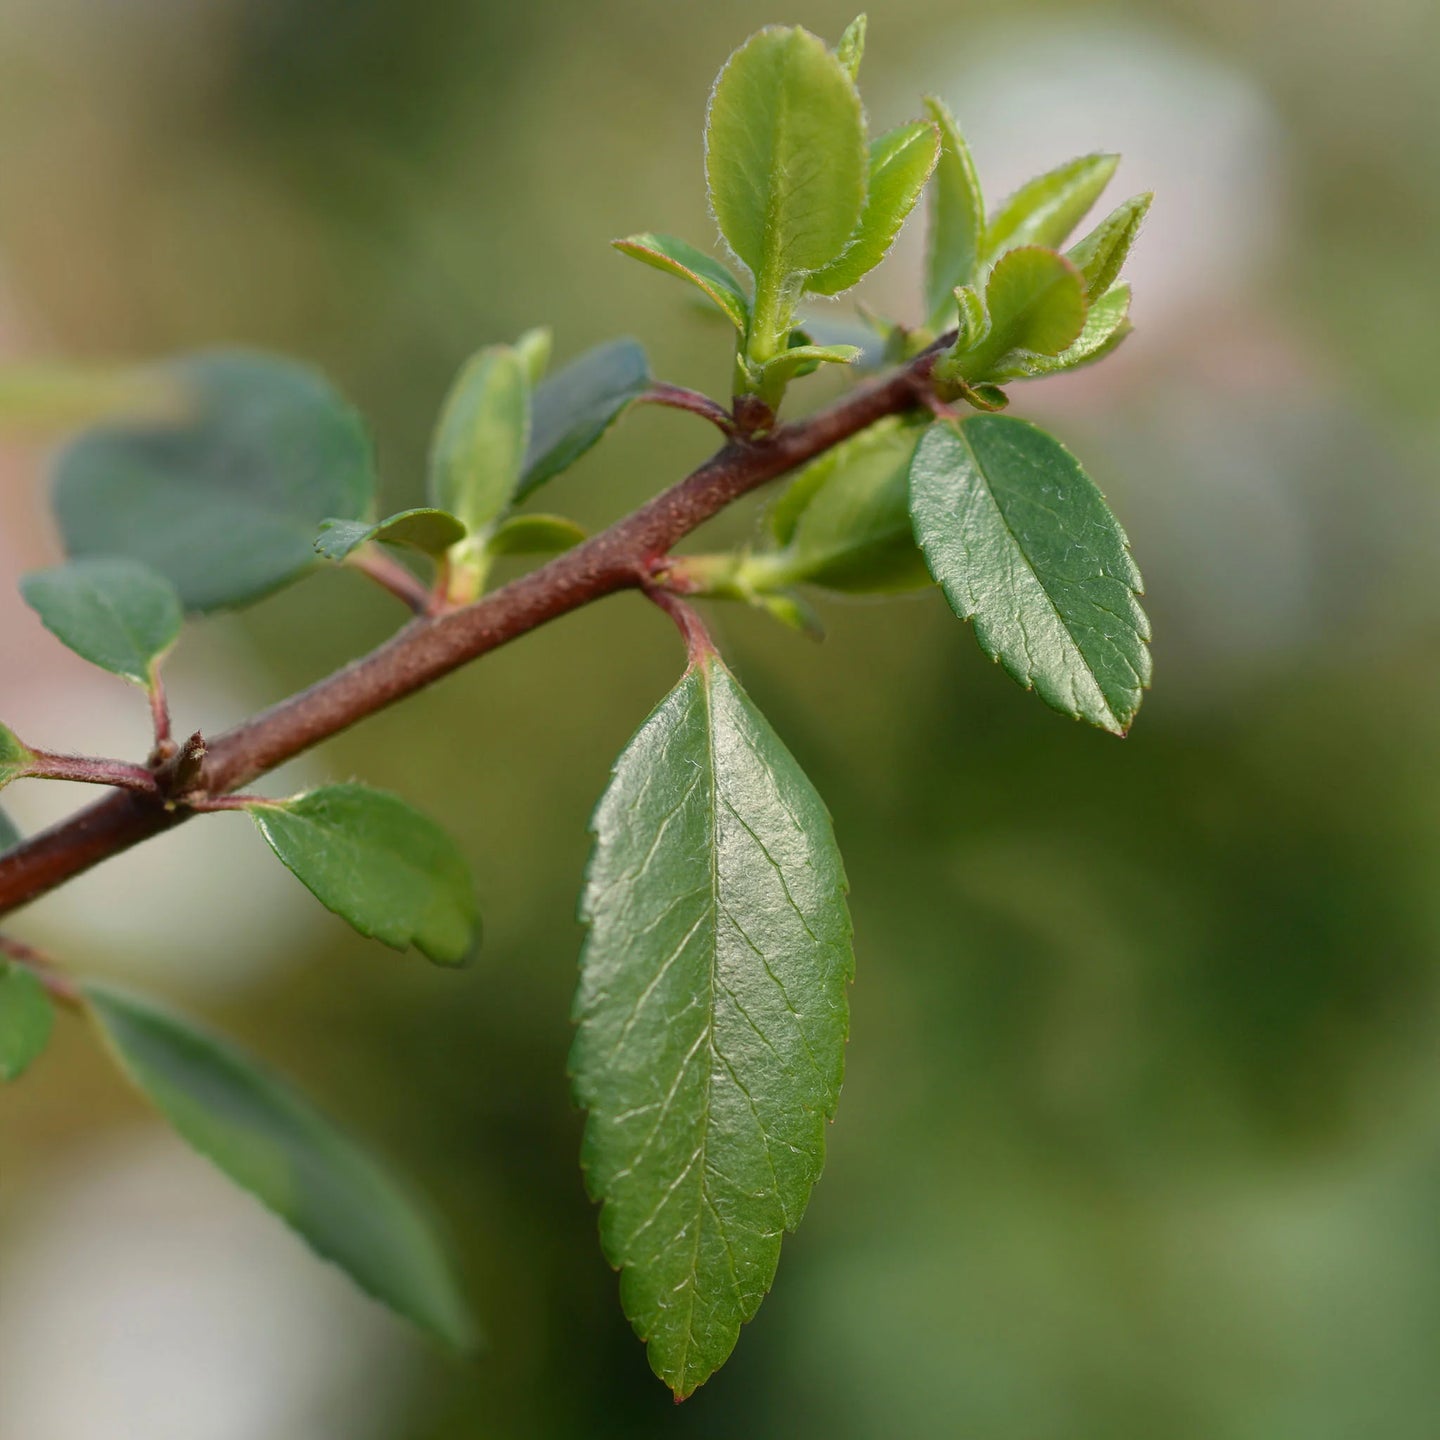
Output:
(708, 275)
(10, 836)
(226, 503)
(712, 1016)
(117, 614)
(1024, 545)
(272, 1142)
(432, 532)
(533, 348)
(957, 218)
(26, 1019)
(535, 535)
(851, 49)
(377, 862)
(1046, 209)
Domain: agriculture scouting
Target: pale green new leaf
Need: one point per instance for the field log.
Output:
(1023, 544)
(377, 862)
(533, 348)
(26, 1019)
(1046, 209)
(786, 161)
(15, 758)
(479, 445)
(225, 502)
(1101, 254)
(10, 836)
(900, 164)
(272, 1142)
(117, 614)
(957, 218)
(1107, 323)
(1036, 303)
(851, 49)
(535, 535)
(803, 359)
(712, 1015)
(573, 408)
(432, 532)
(708, 275)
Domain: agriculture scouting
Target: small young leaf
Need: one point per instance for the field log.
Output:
(1046, 209)
(1036, 303)
(573, 408)
(900, 164)
(974, 323)
(785, 156)
(675, 257)
(1024, 545)
(10, 837)
(26, 1019)
(804, 360)
(957, 218)
(15, 758)
(535, 535)
(1102, 252)
(1107, 323)
(432, 532)
(851, 49)
(117, 614)
(534, 348)
(479, 444)
(375, 861)
(226, 503)
(712, 1015)
(272, 1142)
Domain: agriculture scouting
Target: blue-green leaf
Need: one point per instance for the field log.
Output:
(432, 532)
(26, 1019)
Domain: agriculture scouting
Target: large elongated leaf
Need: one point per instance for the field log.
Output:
(900, 164)
(785, 156)
(26, 1019)
(225, 504)
(957, 218)
(118, 614)
(708, 275)
(377, 862)
(275, 1144)
(578, 404)
(1024, 545)
(712, 1016)
(1046, 209)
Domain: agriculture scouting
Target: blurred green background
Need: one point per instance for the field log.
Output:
(1141, 1131)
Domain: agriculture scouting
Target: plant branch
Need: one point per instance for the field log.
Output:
(59, 987)
(677, 397)
(372, 561)
(621, 557)
(88, 771)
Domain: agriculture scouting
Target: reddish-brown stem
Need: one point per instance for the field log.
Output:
(89, 771)
(677, 397)
(390, 574)
(431, 646)
(160, 715)
(59, 987)
(698, 643)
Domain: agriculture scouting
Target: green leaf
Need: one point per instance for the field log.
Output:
(117, 614)
(712, 1015)
(1024, 545)
(1107, 323)
(786, 161)
(479, 445)
(272, 1142)
(957, 218)
(1045, 210)
(578, 404)
(534, 348)
(26, 1019)
(393, 873)
(851, 49)
(803, 360)
(432, 532)
(675, 257)
(10, 837)
(846, 520)
(15, 758)
(1100, 255)
(900, 164)
(535, 535)
(227, 503)
(1036, 303)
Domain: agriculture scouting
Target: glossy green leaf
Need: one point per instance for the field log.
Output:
(535, 535)
(1107, 323)
(900, 164)
(1024, 545)
(393, 873)
(1048, 208)
(1036, 303)
(26, 1019)
(851, 49)
(578, 404)
(10, 836)
(957, 218)
(227, 503)
(534, 348)
(15, 758)
(708, 275)
(432, 532)
(712, 1015)
(786, 160)
(117, 614)
(846, 520)
(1100, 255)
(479, 445)
(272, 1142)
